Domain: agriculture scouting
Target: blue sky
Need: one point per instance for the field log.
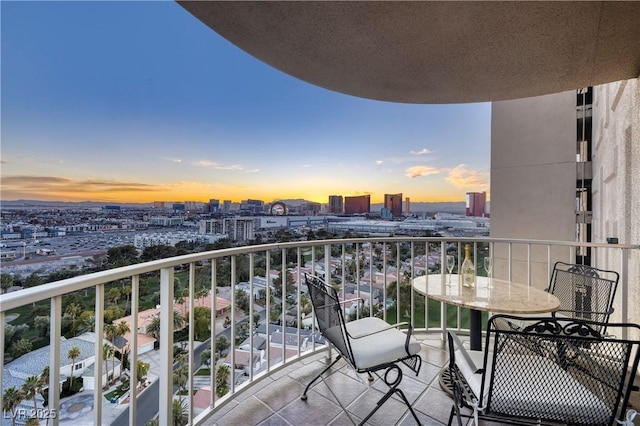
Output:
(140, 101)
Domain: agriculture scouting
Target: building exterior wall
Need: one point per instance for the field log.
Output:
(335, 204)
(533, 181)
(357, 204)
(393, 202)
(533, 178)
(616, 179)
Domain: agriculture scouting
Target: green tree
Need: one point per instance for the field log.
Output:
(20, 347)
(157, 252)
(112, 313)
(73, 354)
(6, 281)
(222, 380)
(181, 374)
(142, 369)
(122, 328)
(114, 295)
(153, 328)
(107, 352)
(121, 256)
(30, 389)
(33, 280)
(126, 291)
(201, 294)
(179, 412)
(11, 398)
(290, 285)
(32, 421)
(201, 322)
(221, 345)
(205, 357)
(41, 325)
(242, 300)
(86, 322)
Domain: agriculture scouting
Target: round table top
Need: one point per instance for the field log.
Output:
(493, 294)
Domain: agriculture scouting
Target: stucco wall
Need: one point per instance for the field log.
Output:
(616, 180)
(533, 178)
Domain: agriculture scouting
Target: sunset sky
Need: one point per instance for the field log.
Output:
(140, 102)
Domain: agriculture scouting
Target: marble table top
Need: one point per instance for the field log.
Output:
(495, 295)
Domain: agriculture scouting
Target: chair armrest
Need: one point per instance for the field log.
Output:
(458, 345)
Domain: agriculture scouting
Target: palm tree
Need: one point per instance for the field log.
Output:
(73, 354)
(44, 377)
(32, 421)
(30, 390)
(153, 328)
(111, 332)
(126, 290)
(178, 319)
(222, 380)
(121, 329)
(201, 294)
(142, 371)
(179, 412)
(107, 352)
(10, 401)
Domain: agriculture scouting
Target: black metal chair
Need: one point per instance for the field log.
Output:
(510, 383)
(584, 292)
(369, 344)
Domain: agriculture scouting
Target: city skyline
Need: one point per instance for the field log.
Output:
(139, 102)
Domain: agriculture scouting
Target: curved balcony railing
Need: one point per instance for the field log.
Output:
(376, 270)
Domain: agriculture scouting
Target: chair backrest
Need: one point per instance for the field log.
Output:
(559, 370)
(585, 292)
(329, 315)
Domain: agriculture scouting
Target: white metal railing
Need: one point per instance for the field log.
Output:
(366, 267)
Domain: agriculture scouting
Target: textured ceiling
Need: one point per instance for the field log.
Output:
(436, 52)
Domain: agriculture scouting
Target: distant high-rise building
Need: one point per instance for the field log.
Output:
(226, 206)
(252, 206)
(393, 202)
(335, 204)
(158, 205)
(407, 205)
(357, 204)
(312, 209)
(476, 204)
(193, 206)
(213, 206)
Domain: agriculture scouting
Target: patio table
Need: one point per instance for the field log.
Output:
(493, 295)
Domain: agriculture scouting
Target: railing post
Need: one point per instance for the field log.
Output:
(133, 349)
(191, 325)
(624, 282)
(166, 347)
(2, 323)
(55, 332)
(99, 359)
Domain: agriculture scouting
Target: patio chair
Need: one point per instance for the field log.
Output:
(584, 292)
(509, 383)
(369, 345)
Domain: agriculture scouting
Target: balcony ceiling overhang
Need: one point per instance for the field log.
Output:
(436, 52)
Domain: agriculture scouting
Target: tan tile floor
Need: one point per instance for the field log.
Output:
(275, 401)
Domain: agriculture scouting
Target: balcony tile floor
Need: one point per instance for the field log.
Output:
(276, 400)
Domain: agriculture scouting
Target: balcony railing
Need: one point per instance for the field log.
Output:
(376, 270)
